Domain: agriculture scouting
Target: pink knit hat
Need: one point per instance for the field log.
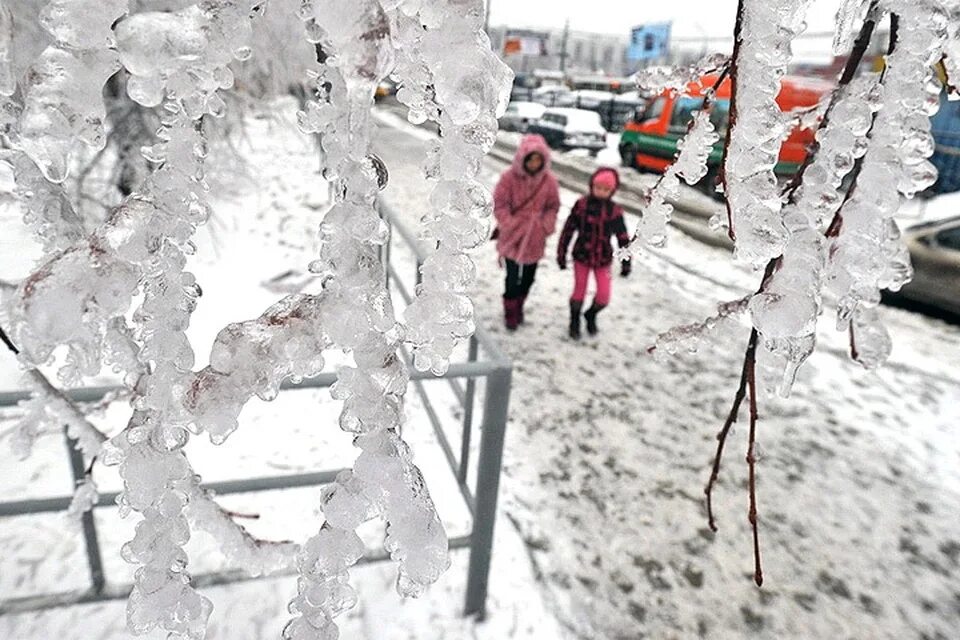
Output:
(606, 178)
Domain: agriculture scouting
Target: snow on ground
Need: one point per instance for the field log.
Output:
(260, 242)
(607, 452)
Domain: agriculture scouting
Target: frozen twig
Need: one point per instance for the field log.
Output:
(669, 340)
(751, 370)
(732, 118)
(89, 437)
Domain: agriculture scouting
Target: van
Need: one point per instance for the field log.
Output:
(649, 139)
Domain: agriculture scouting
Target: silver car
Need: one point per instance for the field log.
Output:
(519, 116)
(935, 252)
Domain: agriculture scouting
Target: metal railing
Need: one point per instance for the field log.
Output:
(481, 502)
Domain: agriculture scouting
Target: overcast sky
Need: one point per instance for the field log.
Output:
(691, 18)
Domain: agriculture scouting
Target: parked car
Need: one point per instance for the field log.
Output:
(524, 86)
(590, 99)
(935, 253)
(649, 140)
(564, 128)
(614, 109)
(519, 116)
(552, 95)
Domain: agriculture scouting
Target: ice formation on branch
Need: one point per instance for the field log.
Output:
(46, 208)
(850, 15)
(447, 72)
(690, 165)
(866, 253)
(358, 43)
(785, 312)
(78, 300)
(654, 80)
(183, 56)
(8, 83)
(84, 498)
(62, 89)
(689, 336)
(758, 127)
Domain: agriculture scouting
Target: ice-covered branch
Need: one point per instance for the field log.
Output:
(866, 253)
(254, 555)
(656, 79)
(358, 51)
(690, 164)
(50, 406)
(448, 73)
(765, 32)
(689, 336)
(254, 358)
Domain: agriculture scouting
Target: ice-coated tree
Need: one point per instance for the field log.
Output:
(116, 293)
(830, 231)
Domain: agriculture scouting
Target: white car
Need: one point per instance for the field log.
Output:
(571, 129)
(551, 95)
(519, 115)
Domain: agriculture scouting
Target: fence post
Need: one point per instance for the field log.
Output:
(78, 472)
(495, 408)
(467, 416)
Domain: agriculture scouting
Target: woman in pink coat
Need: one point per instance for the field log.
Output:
(525, 204)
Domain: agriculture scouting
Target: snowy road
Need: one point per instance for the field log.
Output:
(608, 450)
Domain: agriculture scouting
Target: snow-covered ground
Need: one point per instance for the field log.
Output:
(602, 532)
(608, 451)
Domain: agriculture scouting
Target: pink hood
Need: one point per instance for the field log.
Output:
(531, 143)
(526, 206)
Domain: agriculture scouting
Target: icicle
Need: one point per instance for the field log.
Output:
(62, 93)
(786, 311)
(757, 126)
(850, 14)
(867, 253)
(656, 79)
(691, 165)
(447, 72)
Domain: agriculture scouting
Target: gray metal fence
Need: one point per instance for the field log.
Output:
(481, 500)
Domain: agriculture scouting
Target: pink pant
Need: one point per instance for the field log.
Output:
(602, 277)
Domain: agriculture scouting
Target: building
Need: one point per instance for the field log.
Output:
(584, 52)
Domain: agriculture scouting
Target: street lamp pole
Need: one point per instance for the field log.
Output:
(486, 18)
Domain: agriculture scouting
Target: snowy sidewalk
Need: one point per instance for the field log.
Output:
(608, 451)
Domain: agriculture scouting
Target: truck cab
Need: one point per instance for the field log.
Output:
(649, 140)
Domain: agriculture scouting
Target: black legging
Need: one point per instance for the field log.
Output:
(519, 279)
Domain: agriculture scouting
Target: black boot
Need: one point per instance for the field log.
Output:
(575, 308)
(591, 317)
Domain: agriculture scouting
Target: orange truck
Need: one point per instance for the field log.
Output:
(649, 140)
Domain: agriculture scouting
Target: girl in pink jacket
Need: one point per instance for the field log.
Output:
(525, 204)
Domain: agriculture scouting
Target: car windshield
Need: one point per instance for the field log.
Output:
(684, 108)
